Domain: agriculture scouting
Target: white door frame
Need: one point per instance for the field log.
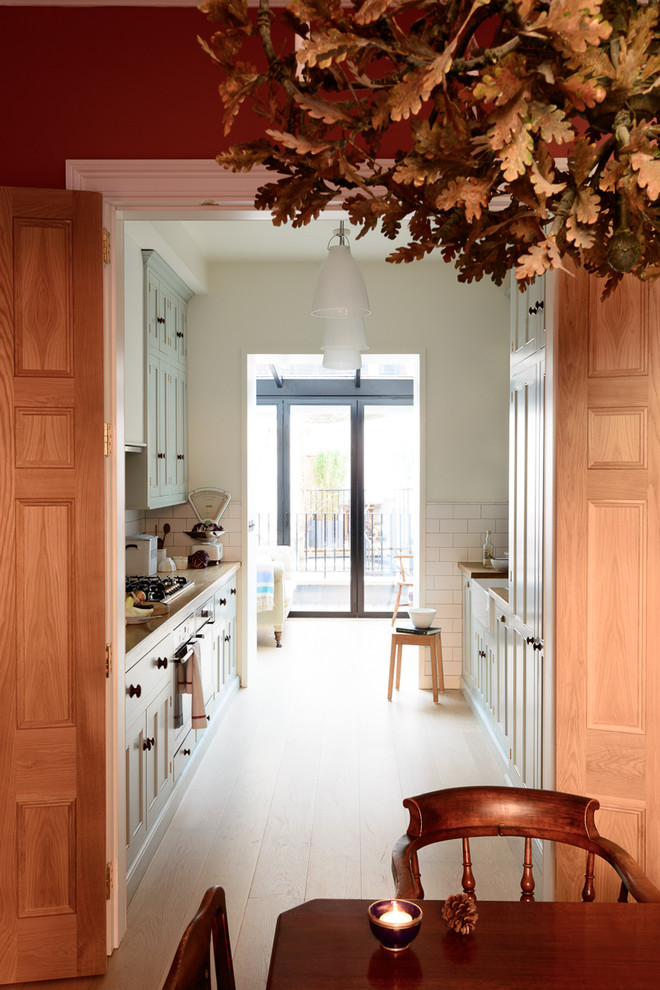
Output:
(134, 189)
(146, 189)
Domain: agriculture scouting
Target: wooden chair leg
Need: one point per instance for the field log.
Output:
(438, 652)
(434, 668)
(392, 658)
(396, 604)
(399, 653)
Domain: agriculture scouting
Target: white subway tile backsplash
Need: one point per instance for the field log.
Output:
(441, 539)
(466, 510)
(462, 526)
(439, 510)
(454, 525)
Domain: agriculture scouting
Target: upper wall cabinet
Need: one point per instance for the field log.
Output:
(158, 474)
(166, 309)
(528, 319)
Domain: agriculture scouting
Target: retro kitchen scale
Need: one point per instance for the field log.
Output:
(209, 505)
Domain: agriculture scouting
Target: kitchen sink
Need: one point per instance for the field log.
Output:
(482, 603)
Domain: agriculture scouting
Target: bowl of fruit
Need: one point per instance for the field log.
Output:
(205, 532)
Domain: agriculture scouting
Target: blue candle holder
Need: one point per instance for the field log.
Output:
(395, 922)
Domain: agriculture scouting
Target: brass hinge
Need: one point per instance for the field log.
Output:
(107, 439)
(108, 880)
(106, 246)
(108, 659)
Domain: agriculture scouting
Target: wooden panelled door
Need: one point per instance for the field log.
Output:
(52, 674)
(607, 403)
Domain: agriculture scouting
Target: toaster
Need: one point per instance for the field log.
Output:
(141, 555)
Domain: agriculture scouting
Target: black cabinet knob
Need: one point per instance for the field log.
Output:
(135, 692)
(161, 662)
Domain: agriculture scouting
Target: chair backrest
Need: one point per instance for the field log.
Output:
(191, 966)
(463, 812)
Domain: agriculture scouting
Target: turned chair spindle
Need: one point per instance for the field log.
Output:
(466, 812)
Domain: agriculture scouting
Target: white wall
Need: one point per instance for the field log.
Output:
(463, 331)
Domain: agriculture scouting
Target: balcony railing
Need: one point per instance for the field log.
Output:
(320, 534)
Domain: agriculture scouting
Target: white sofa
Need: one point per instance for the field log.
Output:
(284, 586)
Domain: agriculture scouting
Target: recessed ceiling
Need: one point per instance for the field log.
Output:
(257, 239)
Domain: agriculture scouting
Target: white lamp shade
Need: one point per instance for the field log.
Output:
(338, 359)
(346, 334)
(340, 289)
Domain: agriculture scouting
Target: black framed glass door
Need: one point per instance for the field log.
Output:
(343, 495)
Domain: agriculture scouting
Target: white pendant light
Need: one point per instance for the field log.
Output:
(341, 359)
(348, 334)
(340, 290)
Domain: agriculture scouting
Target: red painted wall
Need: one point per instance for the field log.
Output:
(103, 82)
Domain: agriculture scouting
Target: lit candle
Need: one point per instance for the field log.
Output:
(396, 916)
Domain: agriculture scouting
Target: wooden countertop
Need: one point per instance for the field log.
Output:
(204, 578)
(475, 569)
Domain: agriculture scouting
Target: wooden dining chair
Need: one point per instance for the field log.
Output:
(191, 966)
(404, 580)
(464, 812)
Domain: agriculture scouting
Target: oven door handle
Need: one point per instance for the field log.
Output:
(184, 653)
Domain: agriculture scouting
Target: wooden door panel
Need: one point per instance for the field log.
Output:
(607, 368)
(52, 734)
(43, 288)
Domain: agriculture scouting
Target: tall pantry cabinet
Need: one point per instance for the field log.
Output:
(526, 525)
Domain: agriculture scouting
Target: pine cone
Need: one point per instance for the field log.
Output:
(460, 913)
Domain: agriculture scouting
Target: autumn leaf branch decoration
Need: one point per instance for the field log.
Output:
(506, 135)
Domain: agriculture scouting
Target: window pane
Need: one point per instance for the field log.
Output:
(320, 449)
(265, 454)
(389, 461)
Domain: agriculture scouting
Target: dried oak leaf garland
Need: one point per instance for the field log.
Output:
(526, 131)
(459, 912)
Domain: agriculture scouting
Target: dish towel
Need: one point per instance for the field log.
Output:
(265, 586)
(189, 681)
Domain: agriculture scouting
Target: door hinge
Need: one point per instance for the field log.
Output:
(108, 880)
(107, 439)
(108, 659)
(106, 246)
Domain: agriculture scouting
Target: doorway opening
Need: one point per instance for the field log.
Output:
(339, 483)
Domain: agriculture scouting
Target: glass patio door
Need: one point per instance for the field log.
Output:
(320, 507)
(339, 487)
(389, 462)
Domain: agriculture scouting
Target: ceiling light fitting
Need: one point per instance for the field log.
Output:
(340, 290)
(341, 300)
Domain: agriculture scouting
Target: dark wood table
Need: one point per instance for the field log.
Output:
(328, 945)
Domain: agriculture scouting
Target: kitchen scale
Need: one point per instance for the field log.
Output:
(209, 505)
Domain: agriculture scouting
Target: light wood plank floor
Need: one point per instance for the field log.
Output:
(300, 795)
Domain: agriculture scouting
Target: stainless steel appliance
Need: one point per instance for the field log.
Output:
(141, 554)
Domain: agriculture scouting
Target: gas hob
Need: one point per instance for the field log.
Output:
(158, 589)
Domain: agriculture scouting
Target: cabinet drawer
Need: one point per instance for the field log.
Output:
(147, 676)
(225, 599)
(184, 753)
